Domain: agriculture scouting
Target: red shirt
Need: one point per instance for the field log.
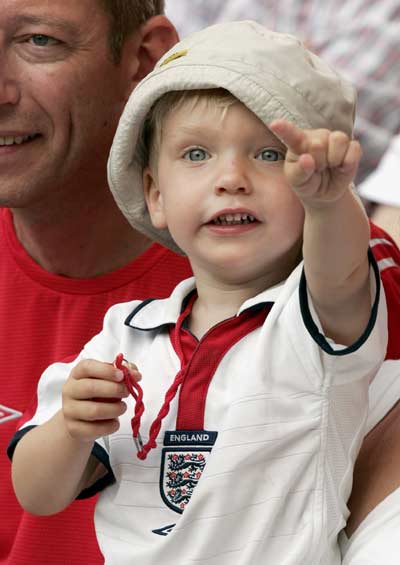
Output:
(387, 255)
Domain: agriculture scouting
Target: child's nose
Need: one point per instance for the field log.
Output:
(233, 178)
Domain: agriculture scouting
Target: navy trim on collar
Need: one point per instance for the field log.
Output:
(166, 323)
(153, 314)
(317, 336)
(136, 310)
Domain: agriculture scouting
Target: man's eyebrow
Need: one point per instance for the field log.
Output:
(45, 20)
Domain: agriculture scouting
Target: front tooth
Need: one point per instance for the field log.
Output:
(238, 217)
(229, 217)
(10, 140)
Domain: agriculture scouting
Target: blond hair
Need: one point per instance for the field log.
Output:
(151, 134)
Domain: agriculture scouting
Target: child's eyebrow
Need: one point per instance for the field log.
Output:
(196, 129)
(199, 129)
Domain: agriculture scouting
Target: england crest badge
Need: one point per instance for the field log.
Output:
(183, 460)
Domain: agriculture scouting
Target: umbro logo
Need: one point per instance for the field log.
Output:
(7, 414)
(164, 531)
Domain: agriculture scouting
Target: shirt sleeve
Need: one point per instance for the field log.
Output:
(48, 400)
(337, 363)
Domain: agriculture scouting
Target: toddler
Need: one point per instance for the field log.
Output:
(237, 151)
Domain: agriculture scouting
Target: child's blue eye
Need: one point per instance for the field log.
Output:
(196, 154)
(270, 155)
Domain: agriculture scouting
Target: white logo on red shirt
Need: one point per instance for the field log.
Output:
(7, 414)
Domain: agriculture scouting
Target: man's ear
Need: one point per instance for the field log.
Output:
(144, 48)
(158, 35)
(154, 199)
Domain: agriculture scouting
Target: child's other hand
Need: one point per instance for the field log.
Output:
(92, 399)
(320, 164)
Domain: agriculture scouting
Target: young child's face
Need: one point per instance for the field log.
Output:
(220, 189)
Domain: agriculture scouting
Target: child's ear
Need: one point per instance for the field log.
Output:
(154, 199)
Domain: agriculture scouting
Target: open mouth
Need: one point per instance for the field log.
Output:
(233, 220)
(9, 140)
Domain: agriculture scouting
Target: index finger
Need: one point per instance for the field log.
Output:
(90, 368)
(292, 136)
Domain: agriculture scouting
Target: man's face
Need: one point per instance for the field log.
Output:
(60, 99)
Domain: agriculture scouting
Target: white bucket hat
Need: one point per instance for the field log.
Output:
(273, 74)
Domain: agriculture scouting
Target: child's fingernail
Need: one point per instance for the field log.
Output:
(119, 375)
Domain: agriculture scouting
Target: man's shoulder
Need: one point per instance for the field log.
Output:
(387, 256)
(383, 246)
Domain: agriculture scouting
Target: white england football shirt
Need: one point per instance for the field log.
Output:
(266, 476)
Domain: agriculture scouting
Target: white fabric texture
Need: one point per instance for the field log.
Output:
(376, 540)
(360, 38)
(384, 392)
(289, 419)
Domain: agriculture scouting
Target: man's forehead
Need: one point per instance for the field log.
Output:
(53, 12)
(31, 18)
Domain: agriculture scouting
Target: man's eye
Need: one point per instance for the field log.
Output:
(196, 154)
(41, 40)
(270, 155)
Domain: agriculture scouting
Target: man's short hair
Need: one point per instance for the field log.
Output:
(126, 16)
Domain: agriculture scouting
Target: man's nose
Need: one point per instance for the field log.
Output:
(9, 87)
(233, 177)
